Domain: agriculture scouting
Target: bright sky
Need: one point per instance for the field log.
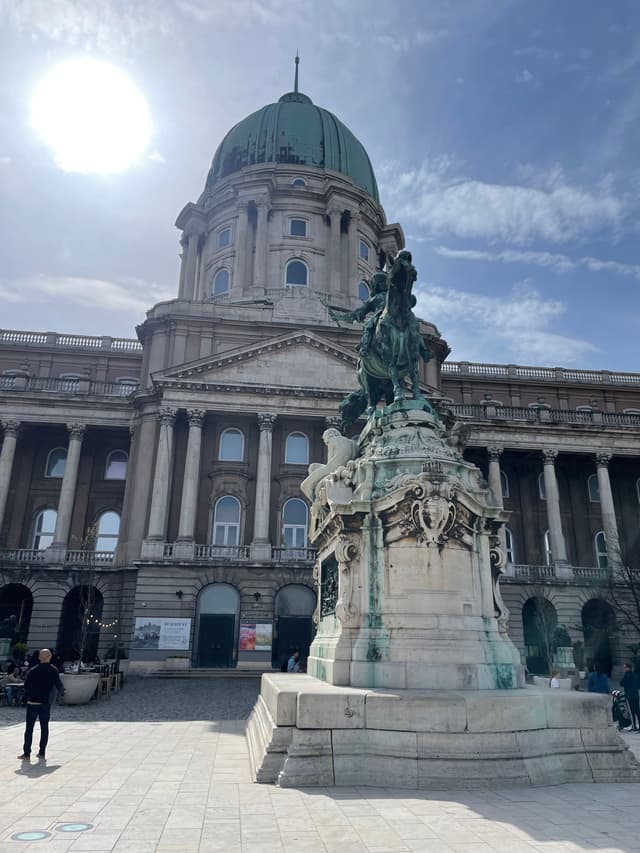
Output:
(504, 134)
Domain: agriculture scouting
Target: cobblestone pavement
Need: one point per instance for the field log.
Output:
(162, 699)
(183, 785)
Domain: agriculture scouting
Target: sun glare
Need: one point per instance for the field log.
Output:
(92, 116)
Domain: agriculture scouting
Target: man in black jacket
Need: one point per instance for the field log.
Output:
(40, 680)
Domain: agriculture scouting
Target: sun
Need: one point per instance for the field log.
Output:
(92, 116)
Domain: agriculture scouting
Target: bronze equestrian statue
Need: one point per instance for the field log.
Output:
(391, 344)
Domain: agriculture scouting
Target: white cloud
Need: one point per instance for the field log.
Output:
(525, 76)
(435, 196)
(129, 295)
(550, 260)
(518, 328)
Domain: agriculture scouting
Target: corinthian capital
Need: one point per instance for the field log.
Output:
(602, 459)
(494, 452)
(76, 431)
(11, 428)
(266, 421)
(196, 417)
(549, 456)
(166, 416)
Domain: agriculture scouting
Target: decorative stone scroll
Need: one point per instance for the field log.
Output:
(346, 550)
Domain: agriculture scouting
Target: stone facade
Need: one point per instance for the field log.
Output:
(191, 441)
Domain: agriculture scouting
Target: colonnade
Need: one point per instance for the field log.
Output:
(554, 519)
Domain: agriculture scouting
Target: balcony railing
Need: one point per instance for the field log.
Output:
(22, 555)
(541, 415)
(82, 557)
(591, 574)
(544, 374)
(11, 336)
(229, 552)
(528, 572)
(298, 555)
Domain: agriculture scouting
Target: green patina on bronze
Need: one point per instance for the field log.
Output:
(391, 345)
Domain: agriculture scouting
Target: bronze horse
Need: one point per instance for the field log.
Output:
(394, 351)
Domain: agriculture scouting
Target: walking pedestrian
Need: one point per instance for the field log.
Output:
(37, 686)
(630, 683)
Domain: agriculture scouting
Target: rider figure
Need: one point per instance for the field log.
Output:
(374, 305)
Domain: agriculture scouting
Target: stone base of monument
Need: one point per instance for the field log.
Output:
(304, 732)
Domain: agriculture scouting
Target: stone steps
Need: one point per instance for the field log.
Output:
(223, 672)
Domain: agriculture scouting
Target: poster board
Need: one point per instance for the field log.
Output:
(153, 632)
(255, 636)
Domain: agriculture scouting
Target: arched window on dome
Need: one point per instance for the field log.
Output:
(221, 283)
(297, 227)
(363, 290)
(363, 250)
(224, 238)
(298, 182)
(297, 274)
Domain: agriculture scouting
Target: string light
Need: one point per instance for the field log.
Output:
(91, 618)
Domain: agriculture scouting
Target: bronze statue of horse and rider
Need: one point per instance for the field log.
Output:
(391, 344)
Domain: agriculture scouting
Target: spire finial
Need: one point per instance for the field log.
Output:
(295, 82)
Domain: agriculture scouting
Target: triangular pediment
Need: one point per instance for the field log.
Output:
(295, 360)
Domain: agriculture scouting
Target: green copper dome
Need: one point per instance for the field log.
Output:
(294, 131)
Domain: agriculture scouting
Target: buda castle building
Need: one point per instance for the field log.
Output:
(158, 477)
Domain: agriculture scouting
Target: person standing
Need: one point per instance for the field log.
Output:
(630, 683)
(293, 664)
(598, 681)
(37, 687)
(554, 681)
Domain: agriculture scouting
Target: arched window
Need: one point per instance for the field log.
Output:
(600, 548)
(542, 490)
(56, 461)
(297, 227)
(224, 238)
(593, 488)
(220, 283)
(116, 467)
(297, 274)
(231, 446)
(226, 522)
(548, 556)
(504, 484)
(363, 291)
(363, 250)
(44, 528)
(298, 182)
(295, 519)
(509, 540)
(108, 530)
(297, 449)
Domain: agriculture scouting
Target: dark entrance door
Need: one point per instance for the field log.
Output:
(294, 632)
(216, 637)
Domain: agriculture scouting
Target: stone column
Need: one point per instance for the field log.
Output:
(190, 483)
(157, 530)
(556, 537)
(240, 266)
(495, 485)
(335, 253)
(138, 488)
(260, 546)
(68, 489)
(193, 236)
(262, 243)
(352, 264)
(7, 456)
(609, 523)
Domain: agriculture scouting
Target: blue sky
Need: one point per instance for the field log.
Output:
(504, 136)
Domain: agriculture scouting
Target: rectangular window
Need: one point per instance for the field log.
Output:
(298, 227)
(224, 238)
(364, 251)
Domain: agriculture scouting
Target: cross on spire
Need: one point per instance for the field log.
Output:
(295, 82)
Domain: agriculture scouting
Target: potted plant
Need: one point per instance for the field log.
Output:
(19, 652)
(80, 686)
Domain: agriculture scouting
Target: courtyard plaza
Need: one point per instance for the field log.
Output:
(163, 766)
